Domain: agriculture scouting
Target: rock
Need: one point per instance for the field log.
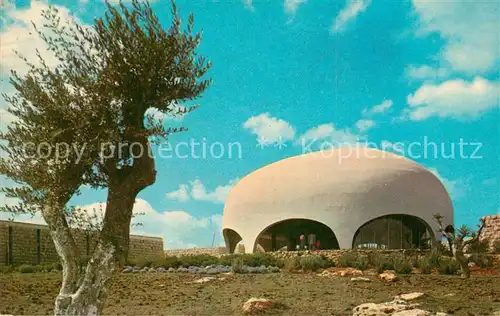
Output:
(409, 296)
(204, 280)
(161, 269)
(372, 309)
(471, 264)
(127, 270)
(212, 271)
(412, 312)
(441, 314)
(360, 279)
(255, 305)
(151, 270)
(388, 276)
(171, 270)
(348, 272)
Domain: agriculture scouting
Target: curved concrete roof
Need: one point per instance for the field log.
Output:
(342, 188)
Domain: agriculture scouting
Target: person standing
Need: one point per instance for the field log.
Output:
(302, 242)
(311, 240)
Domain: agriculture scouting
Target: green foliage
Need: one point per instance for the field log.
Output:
(425, 265)
(200, 260)
(380, 262)
(402, 264)
(496, 246)
(254, 260)
(237, 265)
(27, 268)
(481, 259)
(435, 257)
(448, 266)
(293, 263)
(6, 269)
(171, 262)
(354, 260)
(479, 247)
(312, 263)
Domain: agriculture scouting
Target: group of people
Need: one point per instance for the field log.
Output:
(312, 243)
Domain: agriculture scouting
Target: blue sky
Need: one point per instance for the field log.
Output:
(294, 72)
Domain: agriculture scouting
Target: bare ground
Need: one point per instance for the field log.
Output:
(301, 294)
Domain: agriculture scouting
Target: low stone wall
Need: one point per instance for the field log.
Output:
(336, 254)
(24, 243)
(212, 251)
(491, 231)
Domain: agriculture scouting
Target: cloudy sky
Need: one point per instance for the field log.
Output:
(292, 76)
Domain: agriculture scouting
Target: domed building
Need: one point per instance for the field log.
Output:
(348, 197)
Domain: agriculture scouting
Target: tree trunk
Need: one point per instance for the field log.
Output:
(464, 264)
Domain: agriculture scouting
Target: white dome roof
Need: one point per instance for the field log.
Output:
(342, 188)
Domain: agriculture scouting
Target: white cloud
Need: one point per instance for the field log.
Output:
(469, 28)
(382, 107)
(19, 35)
(180, 194)
(248, 5)
(268, 128)
(364, 125)
(454, 98)
(426, 73)
(349, 13)
(291, 6)
(196, 190)
(327, 135)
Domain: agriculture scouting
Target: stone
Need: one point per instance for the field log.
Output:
(161, 269)
(171, 270)
(409, 296)
(127, 270)
(212, 271)
(151, 270)
(204, 280)
(360, 279)
(441, 314)
(471, 264)
(256, 305)
(388, 276)
(372, 309)
(348, 272)
(412, 312)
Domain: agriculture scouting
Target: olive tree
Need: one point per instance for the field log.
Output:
(92, 103)
(458, 241)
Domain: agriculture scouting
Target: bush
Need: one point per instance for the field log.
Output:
(380, 263)
(481, 259)
(425, 265)
(26, 268)
(479, 247)
(237, 265)
(200, 260)
(496, 246)
(347, 259)
(312, 263)
(448, 266)
(402, 264)
(6, 269)
(171, 262)
(435, 257)
(293, 264)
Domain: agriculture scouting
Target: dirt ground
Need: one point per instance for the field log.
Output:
(301, 294)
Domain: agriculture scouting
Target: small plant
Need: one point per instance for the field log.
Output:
(402, 265)
(171, 262)
(449, 266)
(293, 264)
(26, 268)
(347, 260)
(237, 265)
(6, 269)
(312, 263)
(425, 265)
(361, 262)
(201, 260)
(496, 246)
(481, 259)
(380, 263)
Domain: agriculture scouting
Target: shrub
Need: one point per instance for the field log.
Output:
(26, 268)
(6, 269)
(402, 264)
(347, 259)
(435, 257)
(496, 246)
(312, 263)
(479, 247)
(171, 262)
(293, 264)
(237, 265)
(200, 260)
(425, 265)
(481, 259)
(448, 266)
(361, 263)
(380, 262)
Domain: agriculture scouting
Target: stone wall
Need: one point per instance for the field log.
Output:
(336, 254)
(212, 251)
(23, 243)
(491, 231)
